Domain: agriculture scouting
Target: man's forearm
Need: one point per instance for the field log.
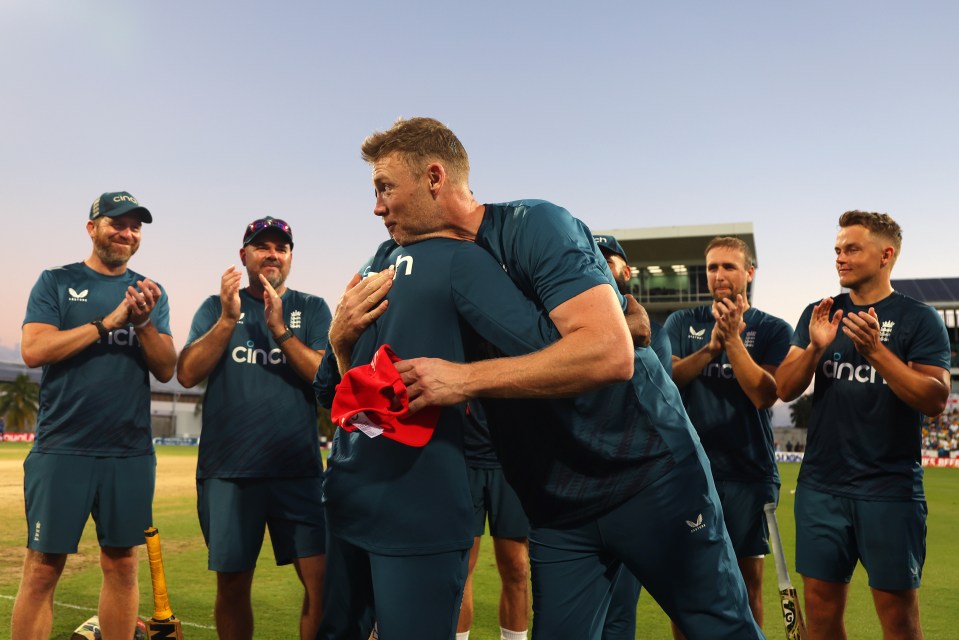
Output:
(198, 359)
(43, 344)
(158, 352)
(796, 372)
(302, 358)
(757, 383)
(686, 369)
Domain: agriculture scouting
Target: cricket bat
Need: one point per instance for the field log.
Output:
(792, 613)
(163, 625)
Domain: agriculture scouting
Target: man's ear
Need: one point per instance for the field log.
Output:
(888, 253)
(436, 174)
(243, 256)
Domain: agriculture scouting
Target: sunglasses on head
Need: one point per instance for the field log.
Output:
(266, 223)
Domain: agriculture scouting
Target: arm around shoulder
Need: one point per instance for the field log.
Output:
(595, 348)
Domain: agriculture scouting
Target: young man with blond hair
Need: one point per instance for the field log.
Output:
(880, 361)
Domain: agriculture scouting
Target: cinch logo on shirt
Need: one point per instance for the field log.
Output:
(839, 370)
(718, 370)
(749, 340)
(404, 261)
(296, 319)
(696, 335)
(248, 355)
(125, 337)
(240, 319)
(77, 297)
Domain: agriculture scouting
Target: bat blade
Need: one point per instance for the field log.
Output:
(163, 625)
(789, 599)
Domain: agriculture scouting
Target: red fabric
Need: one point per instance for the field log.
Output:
(377, 390)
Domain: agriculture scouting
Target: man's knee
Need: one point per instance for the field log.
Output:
(234, 584)
(898, 612)
(41, 571)
(512, 559)
(119, 564)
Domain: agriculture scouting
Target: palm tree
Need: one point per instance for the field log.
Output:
(18, 403)
(801, 409)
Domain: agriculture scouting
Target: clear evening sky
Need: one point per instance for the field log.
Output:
(629, 114)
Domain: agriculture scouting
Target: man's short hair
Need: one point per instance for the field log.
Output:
(731, 242)
(879, 224)
(420, 141)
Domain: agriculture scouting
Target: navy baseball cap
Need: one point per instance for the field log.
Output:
(610, 244)
(255, 228)
(117, 203)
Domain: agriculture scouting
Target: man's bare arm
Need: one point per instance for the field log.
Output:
(757, 382)
(198, 359)
(42, 344)
(925, 388)
(304, 359)
(157, 348)
(796, 371)
(596, 348)
(158, 352)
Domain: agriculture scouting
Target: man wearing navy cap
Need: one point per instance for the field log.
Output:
(259, 464)
(98, 330)
(621, 616)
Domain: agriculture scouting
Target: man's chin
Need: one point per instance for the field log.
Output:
(114, 259)
(276, 281)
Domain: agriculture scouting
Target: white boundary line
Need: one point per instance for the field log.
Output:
(67, 605)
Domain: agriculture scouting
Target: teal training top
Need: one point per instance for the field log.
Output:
(96, 402)
(737, 436)
(573, 459)
(864, 442)
(394, 499)
(259, 416)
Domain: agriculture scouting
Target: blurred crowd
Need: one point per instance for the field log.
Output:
(941, 433)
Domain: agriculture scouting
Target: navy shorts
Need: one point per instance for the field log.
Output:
(235, 512)
(493, 496)
(744, 516)
(62, 491)
(833, 533)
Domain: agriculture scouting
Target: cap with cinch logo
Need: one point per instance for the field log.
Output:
(114, 204)
(611, 244)
(373, 399)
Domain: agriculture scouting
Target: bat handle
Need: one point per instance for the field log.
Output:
(161, 601)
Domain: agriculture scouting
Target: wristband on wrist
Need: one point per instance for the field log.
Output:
(102, 330)
(142, 324)
(283, 337)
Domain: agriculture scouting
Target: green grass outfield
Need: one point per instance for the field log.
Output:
(277, 592)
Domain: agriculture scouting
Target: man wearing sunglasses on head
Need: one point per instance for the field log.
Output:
(259, 464)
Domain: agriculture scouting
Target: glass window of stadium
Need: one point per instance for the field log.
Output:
(681, 284)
